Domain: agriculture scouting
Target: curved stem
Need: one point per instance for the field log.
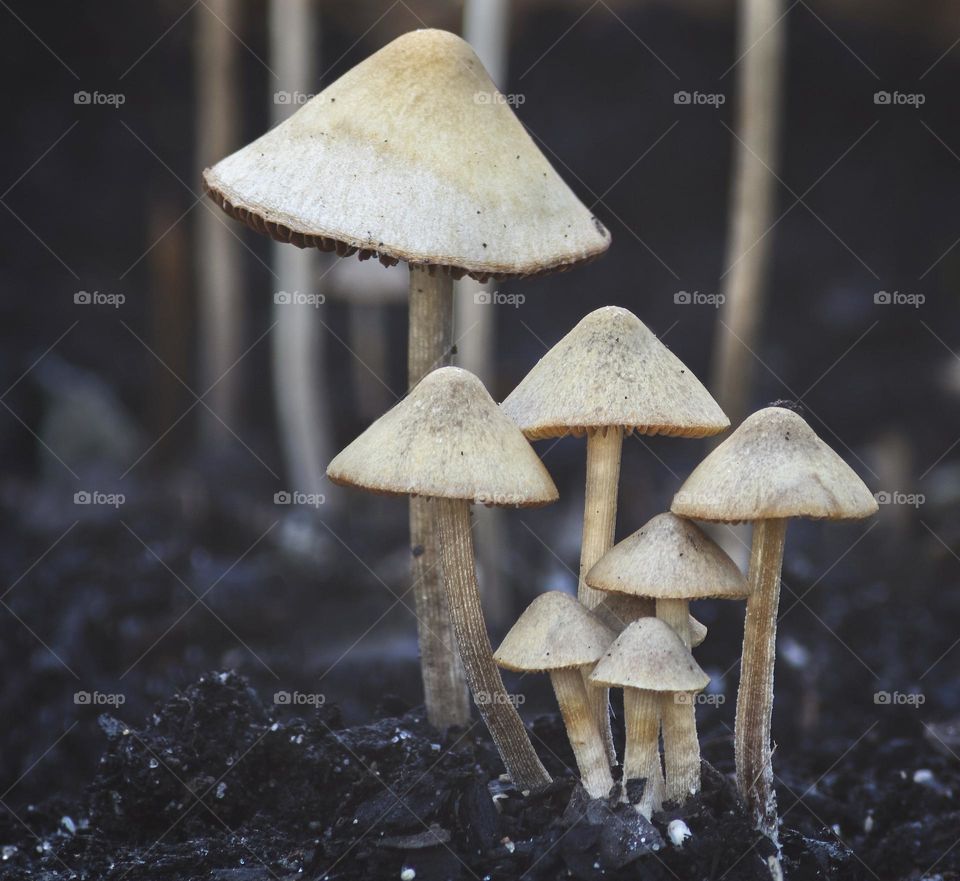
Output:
(755, 695)
(496, 708)
(444, 683)
(641, 757)
(589, 750)
(599, 525)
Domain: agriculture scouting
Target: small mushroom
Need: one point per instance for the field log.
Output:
(401, 158)
(672, 561)
(617, 610)
(447, 441)
(652, 666)
(771, 468)
(607, 377)
(557, 635)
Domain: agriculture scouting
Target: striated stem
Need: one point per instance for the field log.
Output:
(444, 683)
(641, 758)
(755, 695)
(681, 748)
(498, 712)
(599, 525)
(589, 750)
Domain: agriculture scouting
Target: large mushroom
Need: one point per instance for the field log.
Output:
(448, 443)
(557, 635)
(672, 561)
(607, 377)
(652, 666)
(414, 155)
(772, 468)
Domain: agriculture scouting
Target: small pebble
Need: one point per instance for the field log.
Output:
(923, 775)
(69, 825)
(408, 874)
(678, 832)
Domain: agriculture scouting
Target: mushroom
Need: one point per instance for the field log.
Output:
(557, 635)
(771, 468)
(450, 444)
(608, 376)
(652, 665)
(672, 561)
(414, 155)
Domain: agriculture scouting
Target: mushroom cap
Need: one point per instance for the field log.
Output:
(669, 558)
(412, 155)
(617, 610)
(649, 655)
(611, 370)
(446, 439)
(773, 466)
(555, 632)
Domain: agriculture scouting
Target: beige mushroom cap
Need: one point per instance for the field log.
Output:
(412, 155)
(669, 558)
(773, 466)
(446, 439)
(554, 633)
(611, 370)
(617, 610)
(649, 655)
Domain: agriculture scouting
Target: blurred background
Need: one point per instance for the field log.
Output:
(166, 415)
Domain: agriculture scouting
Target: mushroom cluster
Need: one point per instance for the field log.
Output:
(630, 626)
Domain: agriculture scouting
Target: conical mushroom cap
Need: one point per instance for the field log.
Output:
(554, 633)
(611, 370)
(446, 439)
(412, 155)
(649, 655)
(773, 466)
(669, 558)
(617, 610)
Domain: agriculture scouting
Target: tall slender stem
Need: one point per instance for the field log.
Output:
(496, 708)
(599, 526)
(589, 750)
(641, 758)
(755, 696)
(681, 748)
(444, 683)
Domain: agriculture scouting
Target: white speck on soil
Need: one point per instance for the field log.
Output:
(678, 832)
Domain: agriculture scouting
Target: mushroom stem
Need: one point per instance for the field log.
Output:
(444, 684)
(589, 750)
(498, 712)
(599, 524)
(681, 748)
(755, 695)
(641, 757)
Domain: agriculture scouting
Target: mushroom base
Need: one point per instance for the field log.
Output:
(681, 747)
